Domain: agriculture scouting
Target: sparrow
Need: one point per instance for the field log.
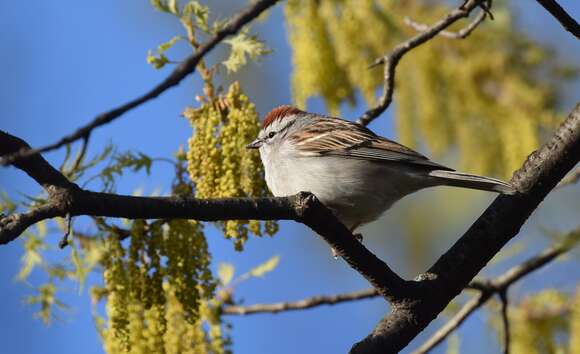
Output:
(354, 172)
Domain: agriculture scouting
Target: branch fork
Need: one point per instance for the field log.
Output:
(414, 304)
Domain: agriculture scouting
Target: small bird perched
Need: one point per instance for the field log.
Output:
(351, 170)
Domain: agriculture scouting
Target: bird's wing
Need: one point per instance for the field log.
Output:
(338, 137)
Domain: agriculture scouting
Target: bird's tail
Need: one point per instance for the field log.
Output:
(465, 180)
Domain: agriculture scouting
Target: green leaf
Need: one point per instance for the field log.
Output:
(169, 6)
(57, 271)
(242, 47)
(199, 13)
(172, 5)
(265, 267)
(124, 161)
(46, 299)
(29, 261)
(32, 257)
(157, 62)
(225, 273)
(6, 204)
(41, 228)
(165, 46)
(81, 269)
(160, 59)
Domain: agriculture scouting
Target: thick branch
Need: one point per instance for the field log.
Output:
(499, 223)
(487, 288)
(36, 166)
(567, 21)
(179, 73)
(303, 207)
(302, 304)
(392, 59)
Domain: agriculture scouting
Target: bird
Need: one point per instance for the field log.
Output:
(354, 172)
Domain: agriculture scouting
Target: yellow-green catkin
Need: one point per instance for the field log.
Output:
(155, 288)
(219, 165)
(484, 95)
(316, 70)
(538, 322)
(116, 335)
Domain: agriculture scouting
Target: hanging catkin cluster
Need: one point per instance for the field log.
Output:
(482, 95)
(219, 165)
(157, 291)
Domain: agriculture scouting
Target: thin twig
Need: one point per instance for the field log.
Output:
(392, 59)
(461, 34)
(567, 21)
(487, 288)
(81, 155)
(473, 304)
(179, 73)
(302, 304)
(64, 240)
(505, 319)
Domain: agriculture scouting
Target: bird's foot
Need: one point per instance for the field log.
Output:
(334, 253)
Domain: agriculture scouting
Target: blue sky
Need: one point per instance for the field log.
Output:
(63, 62)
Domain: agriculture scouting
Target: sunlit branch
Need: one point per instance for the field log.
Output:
(391, 60)
(461, 34)
(68, 199)
(179, 73)
(307, 303)
(500, 222)
(488, 288)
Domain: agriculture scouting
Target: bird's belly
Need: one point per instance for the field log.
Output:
(357, 191)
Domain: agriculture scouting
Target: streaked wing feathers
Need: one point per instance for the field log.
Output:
(337, 137)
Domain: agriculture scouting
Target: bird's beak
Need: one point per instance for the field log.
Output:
(255, 144)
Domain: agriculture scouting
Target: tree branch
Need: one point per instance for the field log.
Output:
(501, 222)
(505, 320)
(179, 73)
(414, 303)
(487, 288)
(562, 16)
(302, 304)
(461, 34)
(392, 59)
(68, 199)
(470, 306)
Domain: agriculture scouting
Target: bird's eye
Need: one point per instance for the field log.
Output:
(271, 135)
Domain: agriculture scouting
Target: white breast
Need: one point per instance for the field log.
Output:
(357, 191)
